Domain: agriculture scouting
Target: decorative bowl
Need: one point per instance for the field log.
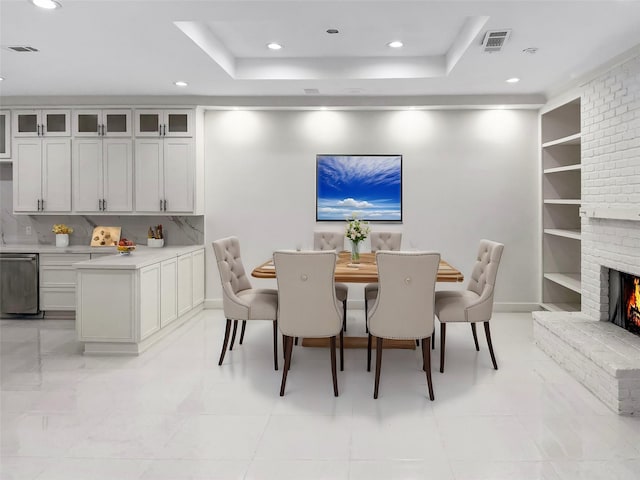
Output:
(125, 249)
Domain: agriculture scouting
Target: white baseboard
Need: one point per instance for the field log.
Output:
(213, 303)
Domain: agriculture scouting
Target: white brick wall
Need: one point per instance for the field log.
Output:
(610, 178)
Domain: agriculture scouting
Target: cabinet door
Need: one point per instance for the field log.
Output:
(168, 295)
(5, 134)
(87, 175)
(198, 277)
(56, 123)
(149, 123)
(27, 175)
(86, 123)
(185, 284)
(178, 123)
(149, 300)
(116, 123)
(148, 176)
(178, 174)
(26, 123)
(117, 168)
(56, 174)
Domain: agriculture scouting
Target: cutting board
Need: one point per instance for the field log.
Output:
(105, 236)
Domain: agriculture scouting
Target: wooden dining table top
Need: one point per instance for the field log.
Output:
(365, 272)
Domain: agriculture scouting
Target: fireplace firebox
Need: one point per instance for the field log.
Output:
(624, 300)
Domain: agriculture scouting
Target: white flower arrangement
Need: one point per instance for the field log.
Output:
(357, 230)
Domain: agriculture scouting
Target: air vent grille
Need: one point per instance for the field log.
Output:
(494, 40)
(311, 91)
(22, 48)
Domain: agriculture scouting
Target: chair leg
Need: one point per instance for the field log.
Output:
(487, 332)
(227, 330)
(296, 341)
(426, 365)
(344, 315)
(433, 340)
(443, 335)
(342, 351)
(233, 336)
(244, 325)
(475, 336)
(369, 353)
(334, 374)
(417, 342)
(378, 366)
(275, 345)
(287, 347)
(366, 315)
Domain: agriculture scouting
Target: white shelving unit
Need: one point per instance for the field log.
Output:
(561, 200)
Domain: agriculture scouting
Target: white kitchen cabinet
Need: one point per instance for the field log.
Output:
(102, 123)
(198, 277)
(42, 175)
(125, 304)
(164, 123)
(5, 134)
(103, 175)
(185, 283)
(41, 123)
(58, 280)
(168, 292)
(164, 175)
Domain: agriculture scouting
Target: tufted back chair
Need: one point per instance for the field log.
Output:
(232, 274)
(385, 241)
(328, 241)
(484, 273)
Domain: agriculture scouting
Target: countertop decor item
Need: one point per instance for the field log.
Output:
(155, 237)
(356, 231)
(62, 234)
(105, 236)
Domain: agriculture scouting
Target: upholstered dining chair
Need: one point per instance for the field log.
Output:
(404, 307)
(334, 241)
(307, 303)
(380, 241)
(475, 304)
(240, 300)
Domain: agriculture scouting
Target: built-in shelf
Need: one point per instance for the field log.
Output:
(562, 201)
(572, 281)
(568, 168)
(568, 140)
(561, 307)
(575, 234)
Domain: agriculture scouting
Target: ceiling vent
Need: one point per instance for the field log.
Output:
(495, 39)
(22, 48)
(311, 91)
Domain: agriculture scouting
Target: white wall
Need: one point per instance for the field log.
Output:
(468, 174)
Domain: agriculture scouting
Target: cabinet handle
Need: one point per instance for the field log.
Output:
(38, 204)
(159, 129)
(161, 205)
(42, 204)
(103, 129)
(104, 204)
(99, 204)
(165, 205)
(38, 129)
(42, 130)
(164, 130)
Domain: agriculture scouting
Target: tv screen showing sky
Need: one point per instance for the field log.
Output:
(367, 186)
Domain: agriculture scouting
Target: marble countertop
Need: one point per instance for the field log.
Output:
(139, 258)
(53, 249)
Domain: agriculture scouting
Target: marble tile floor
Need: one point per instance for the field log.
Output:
(172, 413)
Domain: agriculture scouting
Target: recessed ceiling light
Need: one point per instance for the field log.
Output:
(395, 44)
(1, 79)
(180, 83)
(530, 50)
(512, 80)
(274, 46)
(46, 4)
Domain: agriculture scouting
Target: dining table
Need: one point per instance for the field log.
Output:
(366, 271)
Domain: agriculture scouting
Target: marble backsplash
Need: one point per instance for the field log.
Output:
(178, 230)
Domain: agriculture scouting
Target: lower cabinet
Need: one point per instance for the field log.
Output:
(58, 280)
(157, 298)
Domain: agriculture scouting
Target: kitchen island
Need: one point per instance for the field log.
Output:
(125, 303)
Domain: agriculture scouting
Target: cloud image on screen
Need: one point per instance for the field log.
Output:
(368, 186)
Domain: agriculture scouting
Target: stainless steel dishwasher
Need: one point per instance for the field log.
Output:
(19, 283)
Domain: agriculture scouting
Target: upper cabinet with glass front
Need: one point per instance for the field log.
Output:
(5, 134)
(164, 123)
(102, 123)
(41, 123)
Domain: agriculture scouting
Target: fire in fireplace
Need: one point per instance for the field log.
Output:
(624, 300)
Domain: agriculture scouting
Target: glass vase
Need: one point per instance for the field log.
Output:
(355, 252)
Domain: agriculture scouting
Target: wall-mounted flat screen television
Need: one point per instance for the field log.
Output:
(368, 186)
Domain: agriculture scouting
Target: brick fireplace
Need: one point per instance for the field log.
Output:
(600, 354)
